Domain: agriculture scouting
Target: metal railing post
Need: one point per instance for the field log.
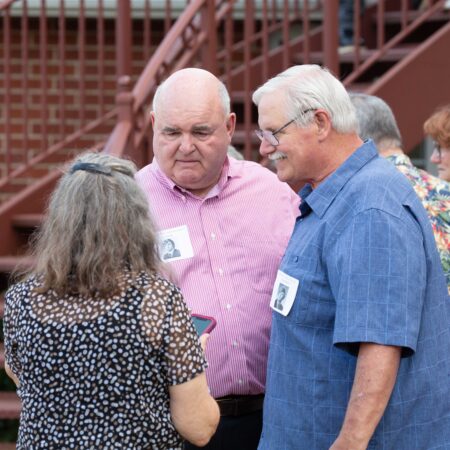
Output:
(123, 38)
(331, 35)
(121, 141)
(209, 53)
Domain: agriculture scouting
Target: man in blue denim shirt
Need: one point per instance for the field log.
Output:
(360, 353)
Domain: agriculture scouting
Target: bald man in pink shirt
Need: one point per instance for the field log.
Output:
(230, 221)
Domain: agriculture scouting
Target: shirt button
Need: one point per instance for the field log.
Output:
(235, 344)
(296, 259)
(213, 236)
(220, 271)
(240, 381)
(228, 306)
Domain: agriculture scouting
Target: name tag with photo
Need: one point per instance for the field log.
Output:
(175, 244)
(284, 292)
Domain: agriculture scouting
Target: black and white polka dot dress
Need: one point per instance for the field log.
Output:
(94, 373)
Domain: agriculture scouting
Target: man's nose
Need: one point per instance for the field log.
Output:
(266, 148)
(187, 143)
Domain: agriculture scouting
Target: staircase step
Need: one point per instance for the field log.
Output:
(358, 87)
(10, 263)
(391, 56)
(27, 220)
(395, 17)
(10, 405)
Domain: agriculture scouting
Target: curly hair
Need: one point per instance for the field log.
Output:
(97, 225)
(438, 126)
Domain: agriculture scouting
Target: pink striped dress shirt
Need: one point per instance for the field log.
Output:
(238, 233)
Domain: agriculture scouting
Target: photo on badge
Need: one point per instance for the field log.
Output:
(283, 294)
(175, 244)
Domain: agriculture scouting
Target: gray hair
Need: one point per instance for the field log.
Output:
(222, 91)
(309, 87)
(376, 121)
(97, 225)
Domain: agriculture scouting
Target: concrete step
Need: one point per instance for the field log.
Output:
(10, 405)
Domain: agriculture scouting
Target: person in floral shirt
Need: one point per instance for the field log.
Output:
(377, 122)
(438, 128)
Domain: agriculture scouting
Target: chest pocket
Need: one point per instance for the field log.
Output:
(314, 304)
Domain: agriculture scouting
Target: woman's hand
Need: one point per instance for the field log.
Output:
(10, 374)
(203, 339)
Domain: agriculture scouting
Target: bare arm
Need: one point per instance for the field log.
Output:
(11, 375)
(195, 413)
(376, 372)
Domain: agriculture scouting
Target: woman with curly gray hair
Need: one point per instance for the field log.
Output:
(102, 347)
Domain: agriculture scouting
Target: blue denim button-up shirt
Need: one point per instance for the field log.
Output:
(368, 270)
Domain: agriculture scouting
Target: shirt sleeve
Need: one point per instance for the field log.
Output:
(184, 358)
(10, 328)
(379, 279)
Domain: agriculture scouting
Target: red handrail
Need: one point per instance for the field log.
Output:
(243, 47)
(187, 39)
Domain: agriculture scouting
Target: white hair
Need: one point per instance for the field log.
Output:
(310, 87)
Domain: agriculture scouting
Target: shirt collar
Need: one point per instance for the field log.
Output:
(400, 159)
(229, 170)
(320, 199)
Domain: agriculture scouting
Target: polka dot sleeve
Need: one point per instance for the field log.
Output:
(10, 326)
(184, 356)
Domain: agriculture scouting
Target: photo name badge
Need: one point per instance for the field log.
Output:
(284, 292)
(174, 244)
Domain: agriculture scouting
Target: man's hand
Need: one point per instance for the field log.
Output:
(343, 443)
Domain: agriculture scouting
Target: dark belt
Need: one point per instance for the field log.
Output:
(237, 405)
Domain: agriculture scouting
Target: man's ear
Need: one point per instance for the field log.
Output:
(231, 124)
(323, 123)
(152, 118)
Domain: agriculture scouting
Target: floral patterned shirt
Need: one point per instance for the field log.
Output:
(435, 196)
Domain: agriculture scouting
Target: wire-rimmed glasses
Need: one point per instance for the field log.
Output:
(270, 137)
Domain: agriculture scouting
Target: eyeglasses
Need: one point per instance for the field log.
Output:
(270, 137)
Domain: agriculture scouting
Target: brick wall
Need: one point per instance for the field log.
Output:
(75, 95)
